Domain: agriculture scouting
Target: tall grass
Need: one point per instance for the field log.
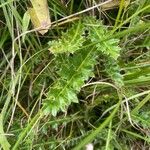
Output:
(106, 117)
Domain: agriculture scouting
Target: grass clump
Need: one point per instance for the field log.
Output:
(86, 81)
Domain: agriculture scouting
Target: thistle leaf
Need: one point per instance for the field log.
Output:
(73, 70)
(109, 48)
(113, 70)
(98, 34)
(71, 79)
(70, 41)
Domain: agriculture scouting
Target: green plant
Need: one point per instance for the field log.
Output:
(77, 63)
(92, 62)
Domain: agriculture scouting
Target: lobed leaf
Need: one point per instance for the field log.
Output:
(98, 34)
(71, 79)
(74, 69)
(70, 41)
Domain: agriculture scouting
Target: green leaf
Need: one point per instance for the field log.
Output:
(98, 33)
(71, 78)
(70, 41)
(74, 69)
(113, 70)
(109, 48)
(25, 24)
(3, 140)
